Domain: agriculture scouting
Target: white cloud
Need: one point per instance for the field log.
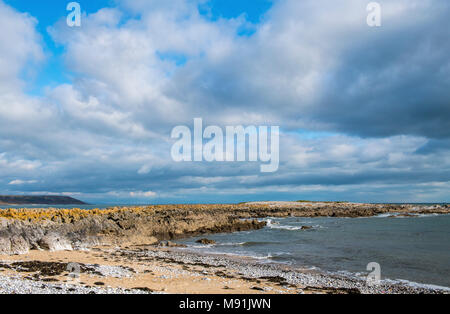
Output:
(148, 194)
(20, 44)
(21, 182)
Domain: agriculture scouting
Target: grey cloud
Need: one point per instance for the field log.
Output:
(335, 72)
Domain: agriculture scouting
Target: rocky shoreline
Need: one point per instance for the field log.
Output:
(149, 269)
(23, 230)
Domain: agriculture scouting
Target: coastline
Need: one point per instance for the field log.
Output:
(22, 230)
(125, 250)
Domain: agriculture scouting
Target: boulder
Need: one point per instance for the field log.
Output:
(14, 245)
(206, 242)
(53, 242)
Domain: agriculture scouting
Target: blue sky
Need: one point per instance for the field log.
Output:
(48, 12)
(364, 112)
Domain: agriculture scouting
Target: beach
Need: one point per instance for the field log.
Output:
(137, 270)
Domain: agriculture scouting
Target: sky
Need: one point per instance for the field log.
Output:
(364, 112)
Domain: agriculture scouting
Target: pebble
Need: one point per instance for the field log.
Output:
(17, 285)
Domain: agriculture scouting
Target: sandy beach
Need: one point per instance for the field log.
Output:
(129, 270)
(149, 269)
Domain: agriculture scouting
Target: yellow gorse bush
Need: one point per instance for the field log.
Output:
(71, 215)
(65, 215)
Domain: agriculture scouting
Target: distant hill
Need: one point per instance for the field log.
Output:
(38, 200)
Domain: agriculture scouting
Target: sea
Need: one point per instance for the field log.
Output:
(413, 251)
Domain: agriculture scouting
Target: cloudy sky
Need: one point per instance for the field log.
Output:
(364, 112)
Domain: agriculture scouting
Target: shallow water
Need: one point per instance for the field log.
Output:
(412, 249)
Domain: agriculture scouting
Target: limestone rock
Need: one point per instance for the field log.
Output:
(14, 245)
(54, 242)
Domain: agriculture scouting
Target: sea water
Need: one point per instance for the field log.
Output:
(416, 250)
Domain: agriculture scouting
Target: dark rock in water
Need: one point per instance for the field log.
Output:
(170, 244)
(306, 228)
(206, 241)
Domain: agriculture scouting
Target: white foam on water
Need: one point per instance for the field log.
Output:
(399, 215)
(383, 215)
(416, 284)
(428, 215)
(275, 225)
(387, 281)
(257, 257)
(231, 244)
(202, 246)
(206, 246)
